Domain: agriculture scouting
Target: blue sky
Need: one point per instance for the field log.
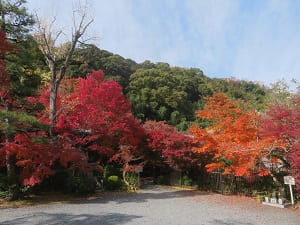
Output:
(256, 40)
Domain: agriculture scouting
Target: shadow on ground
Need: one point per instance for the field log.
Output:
(229, 222)
(144, 195)
(68, 219)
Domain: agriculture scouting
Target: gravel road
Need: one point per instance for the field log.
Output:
(154, 205)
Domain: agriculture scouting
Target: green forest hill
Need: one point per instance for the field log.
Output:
(158, 91)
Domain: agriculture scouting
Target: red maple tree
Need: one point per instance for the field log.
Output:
(233, 140)
(22, 151)
(283, 123)
(172, 147)
(95, 120)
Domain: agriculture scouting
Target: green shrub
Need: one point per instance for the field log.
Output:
(132, 179)
(111, 170)
(113, 183)
(186, 181)
(112, 178)
(3, 183)
(3, 187)
(82, 184)
(4, 194)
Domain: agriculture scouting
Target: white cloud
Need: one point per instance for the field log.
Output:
(258, 41)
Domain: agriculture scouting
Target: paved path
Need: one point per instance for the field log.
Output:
(157, 206)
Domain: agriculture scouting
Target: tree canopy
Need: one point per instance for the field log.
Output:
(70, 111)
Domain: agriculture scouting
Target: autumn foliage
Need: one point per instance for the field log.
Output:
(95, 126)
(94, 120)
(172, 147)
(233, 140)
(33, 159)
(283, 123)
(21, 134)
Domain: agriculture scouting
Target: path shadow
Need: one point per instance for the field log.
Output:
(144, 196)
(229, 222)
(68, 219)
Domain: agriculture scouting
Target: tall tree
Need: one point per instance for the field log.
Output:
(5, 102)
(233, 139)
(54, 53)
(282, 121)
(15, 146)
(96, 122)
(23, 61)
(15, 22)
(14, 19)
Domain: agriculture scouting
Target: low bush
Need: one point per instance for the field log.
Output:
(4, 194)
(111, 170)
(132, 179)
(186, 181)
(113, 183)
(3, 183)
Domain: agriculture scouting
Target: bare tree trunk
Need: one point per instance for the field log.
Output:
(11, 167)
(124, 178)
(53, 101)
(52, 108)
(12, 177)
(46, 36)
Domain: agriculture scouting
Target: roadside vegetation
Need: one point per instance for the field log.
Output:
(75, 118)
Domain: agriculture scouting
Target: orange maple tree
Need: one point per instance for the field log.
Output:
(233, 140)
